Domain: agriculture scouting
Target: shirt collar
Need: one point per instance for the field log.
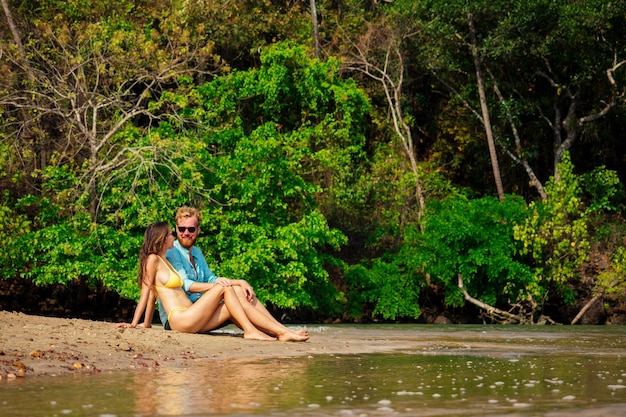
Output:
(184, 251)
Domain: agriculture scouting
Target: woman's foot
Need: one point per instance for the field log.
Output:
(257, 335)
(302, 332)
(291, 336)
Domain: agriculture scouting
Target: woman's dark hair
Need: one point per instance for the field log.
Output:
(153, 241)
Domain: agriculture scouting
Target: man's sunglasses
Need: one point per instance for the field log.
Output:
(182, 229)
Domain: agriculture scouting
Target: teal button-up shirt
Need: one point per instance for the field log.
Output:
(179, 258)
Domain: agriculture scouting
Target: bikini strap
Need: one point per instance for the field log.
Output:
(167, 264)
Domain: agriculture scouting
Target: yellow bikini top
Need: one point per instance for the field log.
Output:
(175, 280)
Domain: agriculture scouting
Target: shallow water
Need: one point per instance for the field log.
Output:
(472, 371)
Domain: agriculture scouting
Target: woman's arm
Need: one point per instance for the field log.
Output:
(146, 299)
(147, 321)
(145, 304)
(148, 306)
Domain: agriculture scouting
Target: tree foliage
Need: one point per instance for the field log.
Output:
(556, 233)
(352, 185)
(473, 238)
(278, 138)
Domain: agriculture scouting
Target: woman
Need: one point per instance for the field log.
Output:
(220, 303)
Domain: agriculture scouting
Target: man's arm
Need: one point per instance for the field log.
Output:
(205, 286)
(209, 276)
(196, 286)
(203, 267)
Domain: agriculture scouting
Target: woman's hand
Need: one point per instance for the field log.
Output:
(132, 326)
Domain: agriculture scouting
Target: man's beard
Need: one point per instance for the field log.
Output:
(187, 242)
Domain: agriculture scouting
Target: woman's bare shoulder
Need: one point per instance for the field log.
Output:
(152, 264)
(153, 257)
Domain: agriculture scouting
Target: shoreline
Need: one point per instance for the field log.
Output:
(37, 346)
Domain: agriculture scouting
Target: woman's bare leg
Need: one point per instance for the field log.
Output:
(236, 310)
(263, 310)
(208, 312)
(270, 325)
(204, 315)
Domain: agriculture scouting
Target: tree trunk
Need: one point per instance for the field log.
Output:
(518, 155)
(485, 110)
(495, 313)
(586, 307)
(316, 38)
(14, 32)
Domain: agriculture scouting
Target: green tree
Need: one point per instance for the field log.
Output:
(85, 83)
(554, 69)
(274, 141)
(556, 234)
(87, 163)
(461, 238)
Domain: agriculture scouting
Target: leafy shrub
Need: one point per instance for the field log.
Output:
(611, 281)
(77, 249)
(14, 227)
(602, 190)
(389, 285)
(474, 239)
(555, 234)
(461, 236)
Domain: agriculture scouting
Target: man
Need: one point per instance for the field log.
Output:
(189, 262)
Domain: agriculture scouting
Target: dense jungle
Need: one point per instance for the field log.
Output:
(354, 160)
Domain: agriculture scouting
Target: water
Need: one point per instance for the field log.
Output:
(466, 371)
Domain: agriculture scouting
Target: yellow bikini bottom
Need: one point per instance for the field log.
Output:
(174, 310)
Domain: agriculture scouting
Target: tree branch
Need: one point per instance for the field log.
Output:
(614, 98)
(13, 28)
(586, 307)
(390, 74)
(493, 312)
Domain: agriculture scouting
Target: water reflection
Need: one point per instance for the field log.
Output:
(219, 387)
(461, 372)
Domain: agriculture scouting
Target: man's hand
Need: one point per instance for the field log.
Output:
(242, 283)
(247, 289)
(224, 282)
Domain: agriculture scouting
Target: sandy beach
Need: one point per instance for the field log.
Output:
(39, 346)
